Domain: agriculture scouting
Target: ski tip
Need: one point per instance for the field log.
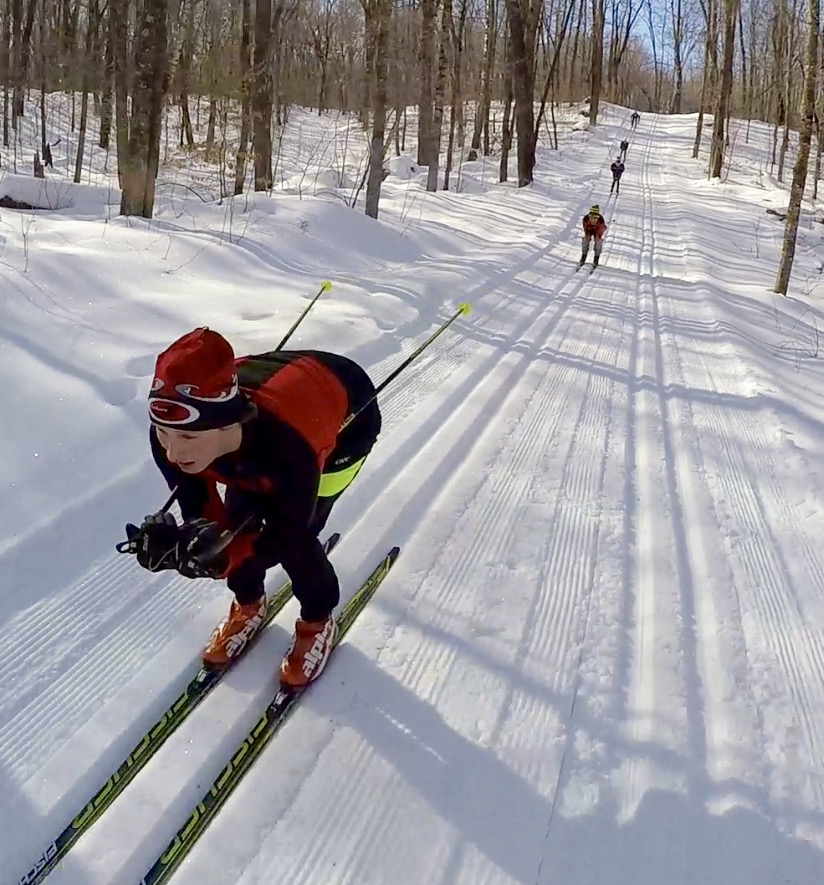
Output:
(394, 553)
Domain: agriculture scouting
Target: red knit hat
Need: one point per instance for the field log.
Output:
(195, 385)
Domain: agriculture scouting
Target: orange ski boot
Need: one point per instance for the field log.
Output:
(309, 652)
(233, 634)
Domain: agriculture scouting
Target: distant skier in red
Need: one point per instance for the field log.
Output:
(268, 427)
(594, 229)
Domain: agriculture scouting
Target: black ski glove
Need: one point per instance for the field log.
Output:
(154, 542)
(192, 548)
(199, 550)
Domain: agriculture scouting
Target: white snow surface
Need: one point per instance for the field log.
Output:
(600, 656)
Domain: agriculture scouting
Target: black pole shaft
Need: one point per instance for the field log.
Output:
(325, 286)
(463, 308)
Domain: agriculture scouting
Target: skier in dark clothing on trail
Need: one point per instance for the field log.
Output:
(635, 119)
(594, 227)
(624, 149)
(617, 171)
(274, 429)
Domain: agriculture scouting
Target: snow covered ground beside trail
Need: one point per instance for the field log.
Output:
(600, 656)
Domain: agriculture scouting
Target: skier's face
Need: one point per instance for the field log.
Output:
(194, 451)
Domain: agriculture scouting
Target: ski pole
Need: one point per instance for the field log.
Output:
(325, 286)
(463, 308)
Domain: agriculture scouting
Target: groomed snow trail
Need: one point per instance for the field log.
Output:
(592, 665)
(599, 658)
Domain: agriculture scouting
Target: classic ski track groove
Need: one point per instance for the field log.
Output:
(760, 557)
(657, 654)
(603, 602)
(498, 321)
(78, 691)
(721, 668)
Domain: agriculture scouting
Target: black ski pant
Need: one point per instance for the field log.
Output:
(317, 598)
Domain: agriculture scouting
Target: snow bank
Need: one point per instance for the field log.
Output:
(316, 180)
(55, 194)
(403, 167)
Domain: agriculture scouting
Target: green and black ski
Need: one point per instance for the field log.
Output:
(197, 689)
(252, 745)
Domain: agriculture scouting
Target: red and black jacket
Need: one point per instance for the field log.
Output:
(594, 226)
(302, 400)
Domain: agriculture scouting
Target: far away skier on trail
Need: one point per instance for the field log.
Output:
(635, 119)
(594, 229)
(270, 428)
(617, 171)
(624, 149)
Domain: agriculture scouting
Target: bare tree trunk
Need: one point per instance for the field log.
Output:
(745, 98)
(710, 61)
(724, 90)
(552, 73)
(506, 125)
(788, 102)
(655, 61)
(91, 35)
(118, 18)
(321, 41)
(437, 106)
(490, 43)
(22, 53)
(261, 102)
(596, 70)
(107, 103)
(378, 14)
(43, 78)
(151, 72)
(454, 37)
(523, 22)
(426, 60)
(183, 74)
(246, 109)
(211, 124)
(677, 62)
(577, 41)
(805, 136)
(5, 71)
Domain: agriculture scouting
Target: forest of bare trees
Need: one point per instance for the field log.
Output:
(481, 75)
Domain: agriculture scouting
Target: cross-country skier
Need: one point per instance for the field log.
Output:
(635, 119)
(594, 229)
(617, 171)
(269, 427)
(624, 149)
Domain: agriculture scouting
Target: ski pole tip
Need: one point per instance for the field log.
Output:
(463, 307)
(325, 286)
